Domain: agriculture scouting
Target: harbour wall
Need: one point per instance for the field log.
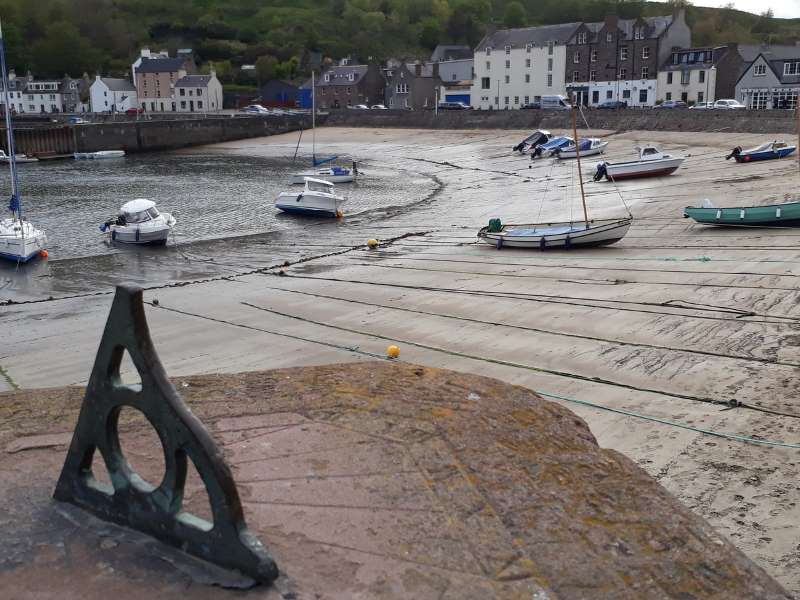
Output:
(147, 135)
(734, 121)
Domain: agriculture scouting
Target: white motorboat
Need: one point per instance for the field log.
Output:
(139, 222)
(100, 154)
(19, 158)
(318, 198)
(20, 241)
(652, 163)
(334, 174)
(586, 146)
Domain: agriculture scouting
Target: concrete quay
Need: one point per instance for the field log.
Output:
(656, 342)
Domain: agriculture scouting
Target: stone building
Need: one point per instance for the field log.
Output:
(198, 93)
(412, 86)
(700, 74)
(155, 81)
(771, 80)
(346, 85)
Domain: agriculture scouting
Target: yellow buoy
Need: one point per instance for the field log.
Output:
(393, 351)
(373, 243)
(339, 214)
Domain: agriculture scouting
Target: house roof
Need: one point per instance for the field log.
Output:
(161, 65)
(340, 75)
(118, 85)
(193, 81)
(656, 26)
(448, 52)
(716, 55)
(750, 52)
(788, 54)
(538, 36)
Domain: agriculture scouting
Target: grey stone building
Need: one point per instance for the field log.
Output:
(412, 86)
(342, 86)
(771, 80)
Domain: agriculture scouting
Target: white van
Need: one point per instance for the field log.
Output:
(555, 103)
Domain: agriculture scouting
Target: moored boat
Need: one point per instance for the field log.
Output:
(140, 222)
(543, 236)
(318, 198)
(586, 147)
(100, 154)
(334, 174)
(537, 138)
(768, 151)
(769, 215)
(652, 163)
(19, 158)
(551, 146)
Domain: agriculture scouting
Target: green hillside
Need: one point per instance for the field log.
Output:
(53, 37)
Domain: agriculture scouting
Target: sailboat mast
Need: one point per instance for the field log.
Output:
(16, 203)
(313, 120)
(578, 158)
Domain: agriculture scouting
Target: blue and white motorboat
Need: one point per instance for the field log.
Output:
(586, 147)
(318, 199)
(537, 138)
(768, 151)
(552, 146)
(139, 222)
(333, 174)
(20, 241)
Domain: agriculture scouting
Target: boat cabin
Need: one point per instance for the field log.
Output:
(318, 185)
(650, 153)
(139, 211)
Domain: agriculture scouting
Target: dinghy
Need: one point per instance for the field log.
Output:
(333, 174)
(551, 146)
(101, 154)
(537, 138)
(652, 163)
(317, 199)
(768, 151)
(19, 158)
(139, 222)
(770, 215)
(568, 234)
(586, 147)
(20, 241)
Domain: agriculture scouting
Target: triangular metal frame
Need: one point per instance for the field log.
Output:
(132, 501)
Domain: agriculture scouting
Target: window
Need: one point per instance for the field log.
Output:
(646, 52)
(593, 56)
(327, 76)
(527, 77)
(669, 78)
(595, 97)
(508, 64)
(516, 99)
(623, 53)
(549, 64)
(623, 73)
(349, 90)
(508, 79)
(183, 103)
(576, 76)
(527, 99)
(668, 96)
(485, 83)
(454, 77)
(758, 100)
(626, 94)
(528, 63)
(550, 48)
(506, 101)
(686, 77)
(791, 68)
(642, 96)
(701, 76)
(592, 75)
(351, 77)
(104, 94)
(183, 92)
(497, 101)
(582, 37)
(549, 80)
(645, 72)
(508, 49)
(609, 94)
(528, 48)
(488, 50)
(402, 88)
(609, 37)
(638, 34)
(700, 97)
(760, 70)
(576, 58)
(488, 66)
(675, 59)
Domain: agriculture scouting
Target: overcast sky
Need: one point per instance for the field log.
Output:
(782, 8)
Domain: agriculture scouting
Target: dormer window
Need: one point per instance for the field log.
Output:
(327, 76)
(582, 37)
(791, 68)
(488, 50)
(351, 77)
(508, 49)
(609, 37)
(528, 48)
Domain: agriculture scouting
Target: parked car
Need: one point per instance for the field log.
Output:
(453, 106)
(255, 109)
(359, 107)
(134, 111)
(702, 106)
(378, 107)
(671, 104)
(76, 121)
(532, 105)
(729, 104)
(613, 105)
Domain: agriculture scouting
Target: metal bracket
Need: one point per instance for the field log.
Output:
(131, 501)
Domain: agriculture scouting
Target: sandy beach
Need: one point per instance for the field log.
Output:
(675, 331)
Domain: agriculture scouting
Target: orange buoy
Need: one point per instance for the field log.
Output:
(393, 351)
(373, 243)
(43, 253)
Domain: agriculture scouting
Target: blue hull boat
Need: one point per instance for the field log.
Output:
(768, 151)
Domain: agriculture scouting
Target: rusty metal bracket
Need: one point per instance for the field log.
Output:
(132, 501)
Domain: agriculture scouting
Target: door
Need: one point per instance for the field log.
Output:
(595, 97)
(191, 105)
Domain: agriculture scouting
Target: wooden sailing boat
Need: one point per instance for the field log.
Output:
(569, 234)
(20, 241)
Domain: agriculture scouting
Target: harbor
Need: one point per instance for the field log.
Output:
(677, 344)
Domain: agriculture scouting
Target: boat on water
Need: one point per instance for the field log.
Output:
(769, 215)
(551, 146)
(19, 158)
(651, 163)
(586, 147)
(537, 138)
(317, 199)
(139, 222)
(768, 151)
(99, 155)
(20, 240)
(566, 234)
(333, 174)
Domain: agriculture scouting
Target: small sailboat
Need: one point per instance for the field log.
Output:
(768, 151)
(19, 158)
(99, 155)
(139, 222)
(651, 163)
(568, 234)
(769, 215)
(334, 173)
(537, 138)
(318, 199)
(586, 147)
(551, 146)
(20, 241)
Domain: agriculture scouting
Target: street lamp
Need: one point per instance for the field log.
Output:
(711, 71)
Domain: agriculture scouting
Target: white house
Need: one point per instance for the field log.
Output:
(108, 94)
(517, 66)
(16, 92)
(42, 96)
(198, 93)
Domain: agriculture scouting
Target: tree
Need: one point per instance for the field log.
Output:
(515, 15)
(64, 50)
(265, 67)
(431, 34)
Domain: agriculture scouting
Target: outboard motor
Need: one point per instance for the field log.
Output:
(537, 152)
(355, 168)
(735, 152)
(518, 147)
(601, 172)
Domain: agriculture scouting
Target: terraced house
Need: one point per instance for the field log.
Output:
(771, 80)
(618, 59)
(346, 85)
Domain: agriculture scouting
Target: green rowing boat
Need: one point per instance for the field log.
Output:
(773, 215)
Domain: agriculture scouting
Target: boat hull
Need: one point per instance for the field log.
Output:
(633, 170)
(309, 204)
(590, 152)
(545, 236)
(745, 157)
(18, 249)
(102, 154)
(773, 215)
(129, 235)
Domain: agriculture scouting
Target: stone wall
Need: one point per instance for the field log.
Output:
(744, 121)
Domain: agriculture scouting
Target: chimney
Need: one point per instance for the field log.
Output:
(12, 74)
(417, 69)
(611, 21)
(435, 70)
(97, 77)
(679, 15)
(145, 53)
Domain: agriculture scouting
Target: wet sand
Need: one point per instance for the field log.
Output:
(673, 323)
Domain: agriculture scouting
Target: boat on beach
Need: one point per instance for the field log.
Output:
(767, 151)
(333, 174)
(586, 147)
(317, 199)
(537, 138)
(99, 155)
(551, 146)
(19, 158)
(651, 163)
(139, 222)
(769, 215)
